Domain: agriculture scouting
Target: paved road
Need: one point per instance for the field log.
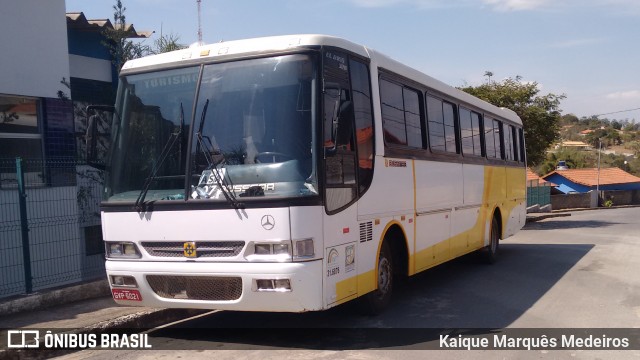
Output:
(580, 271)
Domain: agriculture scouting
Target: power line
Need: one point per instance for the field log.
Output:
(616, 112)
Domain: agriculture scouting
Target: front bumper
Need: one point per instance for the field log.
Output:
(305, 278)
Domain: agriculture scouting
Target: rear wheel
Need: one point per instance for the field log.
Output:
(377, 300)
(490, 252)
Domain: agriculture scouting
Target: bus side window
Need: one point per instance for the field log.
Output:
(521, 143)
(499, 134)
(493, 138)
(442, 125)
(339, 140)
(363, 114)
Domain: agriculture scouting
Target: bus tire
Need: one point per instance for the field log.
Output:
(378, 300)
(490, 252)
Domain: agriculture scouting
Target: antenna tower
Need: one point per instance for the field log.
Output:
(199, 24)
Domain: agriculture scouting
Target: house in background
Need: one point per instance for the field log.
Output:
(585, 180)
(53, 65)
(534, 179)
(93, 76)
(578, 145)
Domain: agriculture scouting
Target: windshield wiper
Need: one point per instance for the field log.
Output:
(140, 204)
(212, 164)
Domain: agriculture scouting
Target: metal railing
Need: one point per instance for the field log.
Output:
(50, 232)
(538, 193)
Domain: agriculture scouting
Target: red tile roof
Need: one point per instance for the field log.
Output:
(589, 177)
(532, 176)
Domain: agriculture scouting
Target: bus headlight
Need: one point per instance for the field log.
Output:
(269, 251)
(262, 249)
(280, 249)
(122, 250)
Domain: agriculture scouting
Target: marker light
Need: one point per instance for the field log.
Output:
(304, 248)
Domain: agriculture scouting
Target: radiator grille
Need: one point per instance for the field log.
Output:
(366, 231)
(204, 249)
(196, 287)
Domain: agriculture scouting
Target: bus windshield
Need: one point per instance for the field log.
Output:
(251, 136)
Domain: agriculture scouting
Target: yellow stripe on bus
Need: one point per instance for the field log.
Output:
(496, 182)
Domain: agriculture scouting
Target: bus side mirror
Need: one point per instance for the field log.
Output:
(97, 135)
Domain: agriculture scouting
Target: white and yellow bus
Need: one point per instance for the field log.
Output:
(296, 173)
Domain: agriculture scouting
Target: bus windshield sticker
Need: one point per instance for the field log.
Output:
(336, 60)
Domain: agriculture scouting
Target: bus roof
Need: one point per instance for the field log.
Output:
(275, 44)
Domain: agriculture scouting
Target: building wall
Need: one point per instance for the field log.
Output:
(621, 197)
(85, 67)
(61, 197)
(571, 201)
(35, 51)
(629, 186)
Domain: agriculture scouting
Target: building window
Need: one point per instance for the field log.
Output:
(20, 136)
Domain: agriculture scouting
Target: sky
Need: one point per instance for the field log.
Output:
(587, 50)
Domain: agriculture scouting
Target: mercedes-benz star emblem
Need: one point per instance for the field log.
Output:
(268, 222)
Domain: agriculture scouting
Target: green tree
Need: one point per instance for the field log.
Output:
(616, 125)
(488, 74)
(166, 43)
(635, 147)
(606, 137)
(569, 119)
(121, 48)
(575, 159)
(540, 114)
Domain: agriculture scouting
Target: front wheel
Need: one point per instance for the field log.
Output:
(377, 300)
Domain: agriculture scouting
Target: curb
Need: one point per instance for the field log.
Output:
(50, 298)
(596, 208)
(531, 219)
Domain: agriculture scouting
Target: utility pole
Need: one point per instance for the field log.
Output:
(598, 180)
(199, 24)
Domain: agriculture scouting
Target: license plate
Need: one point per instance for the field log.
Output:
(125, 294)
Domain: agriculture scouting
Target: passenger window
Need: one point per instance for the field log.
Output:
(442, 130)
(522, 148)
(364, 121)
(510, 149)
(393, 113)
(493, 138)
(470, 132)
(412, 118)
(401, 114)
